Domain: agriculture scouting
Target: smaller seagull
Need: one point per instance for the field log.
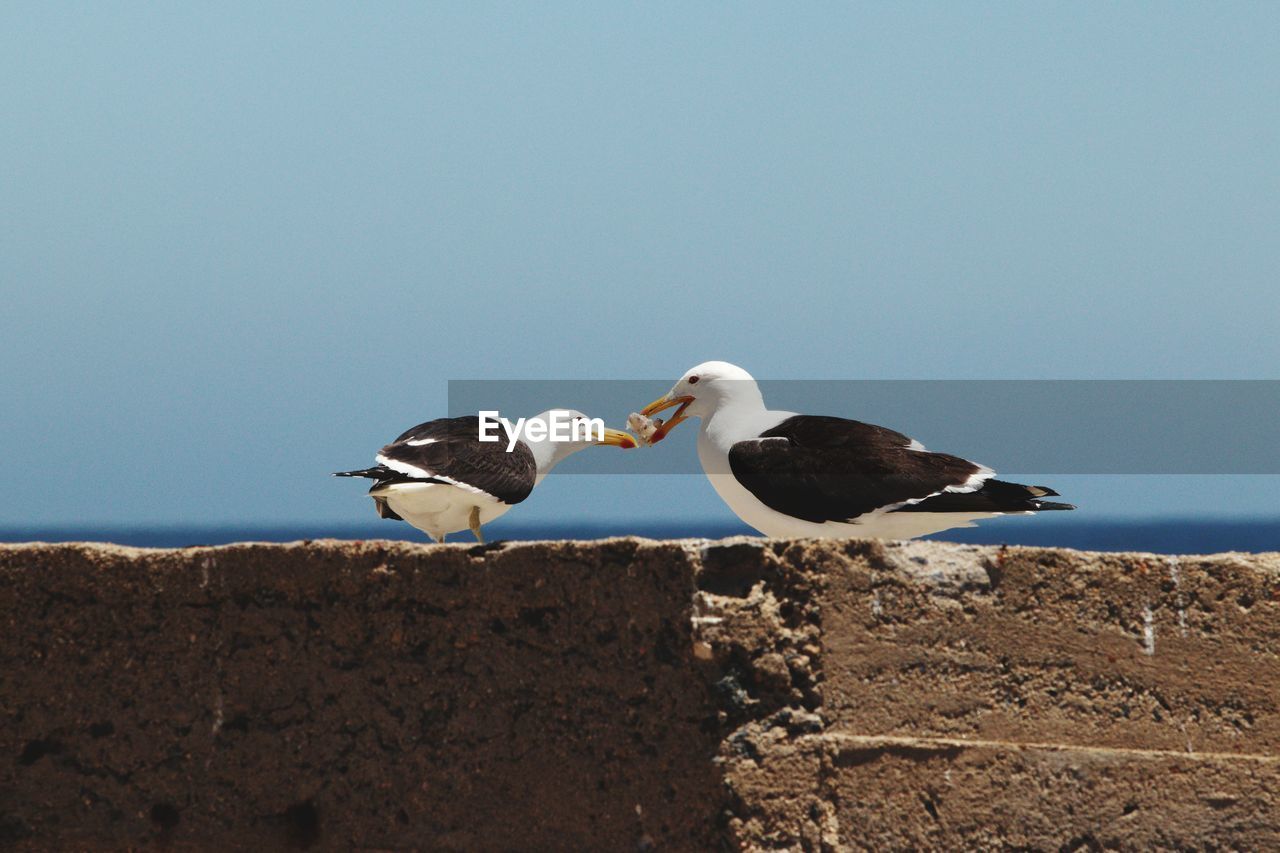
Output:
(795, 475)
(441, 478)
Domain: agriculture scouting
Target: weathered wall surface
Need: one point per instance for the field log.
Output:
(336, 694)
(636, 695)
(1028, 697)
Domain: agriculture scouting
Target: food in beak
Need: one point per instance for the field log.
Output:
(661, 405)
(645, 427)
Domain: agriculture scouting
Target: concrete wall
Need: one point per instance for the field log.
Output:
(631, 694)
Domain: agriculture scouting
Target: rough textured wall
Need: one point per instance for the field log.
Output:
(339, 694)
(1024, 697)
(634, 695)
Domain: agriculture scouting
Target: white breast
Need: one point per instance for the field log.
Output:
(438, 508)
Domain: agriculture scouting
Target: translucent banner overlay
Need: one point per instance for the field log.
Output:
(1022, 426)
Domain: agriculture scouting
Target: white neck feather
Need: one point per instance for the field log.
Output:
(739, 420)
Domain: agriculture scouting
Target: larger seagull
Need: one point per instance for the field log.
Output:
(793, 475)
(441, 478)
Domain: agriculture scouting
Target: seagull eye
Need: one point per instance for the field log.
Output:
(693, 380)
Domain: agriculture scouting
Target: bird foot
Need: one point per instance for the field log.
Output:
(487, 548)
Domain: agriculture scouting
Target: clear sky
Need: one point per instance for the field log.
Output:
(244, 245)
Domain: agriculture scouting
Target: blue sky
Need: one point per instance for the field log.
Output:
(244, 246)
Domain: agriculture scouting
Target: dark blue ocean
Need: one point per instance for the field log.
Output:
(1161, 536)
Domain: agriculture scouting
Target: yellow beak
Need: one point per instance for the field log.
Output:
(618, 438)
(662, 404)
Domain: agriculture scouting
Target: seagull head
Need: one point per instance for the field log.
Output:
(551, 449)
(702, 391)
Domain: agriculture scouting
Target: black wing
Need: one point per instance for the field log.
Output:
(449, 450)
(832, 469)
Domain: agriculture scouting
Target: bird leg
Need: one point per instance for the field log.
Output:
(475, 524)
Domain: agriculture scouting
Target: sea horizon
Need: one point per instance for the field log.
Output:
(1166, 535)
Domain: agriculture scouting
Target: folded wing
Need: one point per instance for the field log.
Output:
(449, 450)
(832, 469)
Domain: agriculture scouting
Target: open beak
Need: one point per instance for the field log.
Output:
(618, 438)
(661, 405)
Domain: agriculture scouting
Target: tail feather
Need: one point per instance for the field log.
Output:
(994, 496)
(377, 472)
(1045, 505)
